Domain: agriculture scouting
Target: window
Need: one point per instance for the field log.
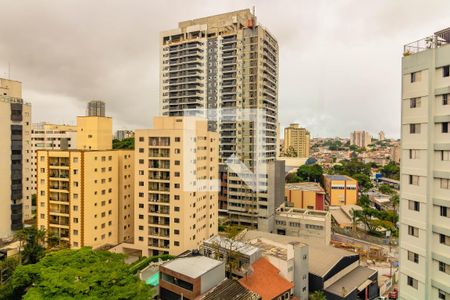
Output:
(177, 208)
(412, 282)
(414, 205)
(75, 220)
(177, 185)
(177, 163)
(176, 243)
(75, 232)
(414, 257)
(414, 102)
(176, 197)
(445, 183)
(445, 71)
(176, 231)
(442, 294)
(42, 216)
(445, 155)
(415, 76)
(414, 128)
(177, 174)
(414, 179)
(445, 99)
(414, 154)
(176, 220)
(445, 127)
(141, 150)
(75, 208)
(177, 139)
(444, 239)
(443, 211)
(414, 231)
(443, 267)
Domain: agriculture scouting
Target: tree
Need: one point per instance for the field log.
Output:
(292, 177)
(76, 274)
(317, 295)
(310, 173)
(364, 181)
(386, 189)
(127, 143)
(32, 240)
(290, 152)
(395, 200)
(391, 170)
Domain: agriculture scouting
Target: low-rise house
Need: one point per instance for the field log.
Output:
(304, 223)
(189, 277)
(343, 215)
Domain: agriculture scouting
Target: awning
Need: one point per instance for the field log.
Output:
(364, 285)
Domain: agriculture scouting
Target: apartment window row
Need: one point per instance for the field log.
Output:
(414, 102)
(412, 282)
(414, 205)
(415, 76)
(414, 154)
(444, 127)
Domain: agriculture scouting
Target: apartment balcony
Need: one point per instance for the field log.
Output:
(188, 45)
(159, 141)
(58, 221)
(159, 221)
(159, 243)
(63, 233)
(58, 209)
(58, 197)
(159, 152)
(159, 187)
(58, 188)
(61, 175)
(157, 209)
(159, 232)
(159, 164)
(159, 198)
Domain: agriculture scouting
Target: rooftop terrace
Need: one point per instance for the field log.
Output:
(438, 39)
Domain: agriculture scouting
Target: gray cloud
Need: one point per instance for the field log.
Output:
(339, 60)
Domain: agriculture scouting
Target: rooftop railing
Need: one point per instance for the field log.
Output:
(435, 41)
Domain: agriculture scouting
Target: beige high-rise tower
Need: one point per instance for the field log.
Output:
(224, 66)
(425, 169)
(298, 138)
(85, 196)
(15, 158)
(176, 171)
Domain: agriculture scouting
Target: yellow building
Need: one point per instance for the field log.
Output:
(15, 155)
(306, 195)
(298, 138)
(176, 171)
(340, 190)
(86, 196)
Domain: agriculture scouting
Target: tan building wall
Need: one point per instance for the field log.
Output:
(361, 139)
(298, 138)
(171, 215)
(341, 190)
(15, 207)
(307, 195)
(94, 133)
(79, 196)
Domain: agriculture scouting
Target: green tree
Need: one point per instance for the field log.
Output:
(127, 143)
(76, 274)
(364, 181)
(317, 295)
(292, 177)
(391, 170)
(386, 189)
(32, 240)
(310, 173)
(395, 200)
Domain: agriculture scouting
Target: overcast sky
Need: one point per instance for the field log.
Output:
(339, 59)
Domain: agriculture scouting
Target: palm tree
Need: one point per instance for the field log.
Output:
(32, 240)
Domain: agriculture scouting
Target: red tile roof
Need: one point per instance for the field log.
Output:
(266, 280)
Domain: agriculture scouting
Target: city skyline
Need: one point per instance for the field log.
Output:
(122, 66)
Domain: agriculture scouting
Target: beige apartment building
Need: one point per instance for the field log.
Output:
(425, 169)
(225, 64)
(361, 139)
(15, 159)
(298, 139)
(46, 136)
(176, 171)
(86, 196)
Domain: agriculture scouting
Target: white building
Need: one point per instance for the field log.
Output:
(46, 136)
(425, 169)
(361, 139)
(15, 147)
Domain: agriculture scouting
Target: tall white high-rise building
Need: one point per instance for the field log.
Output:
(228, 64)
(425, 169)
(15, 158)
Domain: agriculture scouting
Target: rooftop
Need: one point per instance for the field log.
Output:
(237, 246)
(356, 279)
(192, 266)
(338, 177)
(305, 186)
(293, 212)
(230, 290)
(438, 39)
(266, 280)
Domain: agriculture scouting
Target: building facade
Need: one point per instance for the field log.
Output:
(46, 136)
(15, 158)
(176, 171)
(425, 169)
(85, 197)
(298, 139)
(95, 108)
(124, 134)
(361, 139)
(340, 189)
(308, 195)
(226, 67)
(381, 135)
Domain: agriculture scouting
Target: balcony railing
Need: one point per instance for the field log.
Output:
(437, 40)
